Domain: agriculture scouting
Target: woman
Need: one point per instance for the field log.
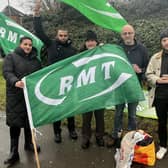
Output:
(91, 42)
(157, 76)
(23, 61)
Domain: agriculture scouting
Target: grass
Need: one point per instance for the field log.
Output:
(2, 89)
(149, 125)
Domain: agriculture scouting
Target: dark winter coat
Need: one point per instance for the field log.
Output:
(16, 66)
(56, 50)
(137, 54)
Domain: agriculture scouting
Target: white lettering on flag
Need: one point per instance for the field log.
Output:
(2, 32)
(122, 78)
(86, 78)
(12, 37)
(106, 67)
(66, 83)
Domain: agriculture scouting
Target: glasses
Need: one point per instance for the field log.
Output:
(127, 33)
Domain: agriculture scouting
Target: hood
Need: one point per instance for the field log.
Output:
(19, 51)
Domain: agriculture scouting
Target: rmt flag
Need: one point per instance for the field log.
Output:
(90, 80)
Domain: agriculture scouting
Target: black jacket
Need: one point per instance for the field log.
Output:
(56, 50)
(16, 66)
(137, 54)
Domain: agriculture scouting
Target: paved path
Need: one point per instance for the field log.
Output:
(68, 154)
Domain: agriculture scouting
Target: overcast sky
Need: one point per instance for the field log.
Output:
(18, 4)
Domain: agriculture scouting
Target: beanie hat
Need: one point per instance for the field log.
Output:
(164, 34)
(90, 35)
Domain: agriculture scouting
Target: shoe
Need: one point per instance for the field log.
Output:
(100, 141)
(73, 135)
(111, 142)
(58, 138)
(85, 144)
(161, 153)
(30, 147)
(12, 159)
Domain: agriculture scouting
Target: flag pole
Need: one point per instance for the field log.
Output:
(35, 148)
(31, 123)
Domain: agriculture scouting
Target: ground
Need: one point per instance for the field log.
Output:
(68, 154)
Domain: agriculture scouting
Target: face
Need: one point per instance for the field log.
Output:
(128, 35)
(164, 43)
(26, 45)
(62, 36)
(90, 44)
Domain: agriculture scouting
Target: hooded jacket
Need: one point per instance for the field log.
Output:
(17, 65)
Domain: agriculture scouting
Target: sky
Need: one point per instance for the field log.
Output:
(18, 4)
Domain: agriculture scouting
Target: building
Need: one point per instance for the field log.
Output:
(14, 14)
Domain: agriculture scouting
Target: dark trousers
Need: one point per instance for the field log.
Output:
(71, 125)
(161, 106)
(14, 136)
(86, 125)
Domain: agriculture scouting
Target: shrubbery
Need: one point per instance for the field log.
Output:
(147, 29)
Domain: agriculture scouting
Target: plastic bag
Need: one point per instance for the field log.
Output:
(144, 151)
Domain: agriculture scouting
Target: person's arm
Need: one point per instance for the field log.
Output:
(8, 70)
(151, 76)
(38, 25)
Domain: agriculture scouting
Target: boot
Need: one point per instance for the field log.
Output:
(100, 141)
(28, 141)
(73, 134)
(58, 138)
(14, 155)
(30, 147)
(85, 143)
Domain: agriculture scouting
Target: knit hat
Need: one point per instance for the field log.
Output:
(164, 34)
(90, 35)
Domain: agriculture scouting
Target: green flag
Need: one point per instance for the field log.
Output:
(90, 80)
(10, 34)
(100, 12)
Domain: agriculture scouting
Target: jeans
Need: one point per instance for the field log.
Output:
(118, 118)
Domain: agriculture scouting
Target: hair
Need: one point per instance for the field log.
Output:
(163, 34)
(25, 38)
(83, 48)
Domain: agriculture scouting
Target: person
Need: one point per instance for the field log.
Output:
(91, 42)
(23, 61)
(157, 77)
(58, 49)
(138, 57)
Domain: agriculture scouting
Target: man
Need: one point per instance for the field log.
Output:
(58, 49)
(138, 57)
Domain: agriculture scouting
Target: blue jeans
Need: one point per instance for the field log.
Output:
(118, 118)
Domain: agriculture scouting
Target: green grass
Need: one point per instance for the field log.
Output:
(2, 90)
(148, 125)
